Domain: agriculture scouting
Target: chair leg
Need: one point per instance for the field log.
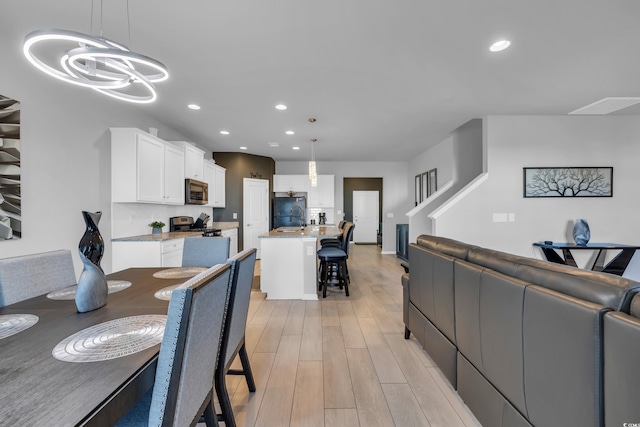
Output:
(407, 333)
(210, 418)
(223, 398)
(246, 367)
(344, 277)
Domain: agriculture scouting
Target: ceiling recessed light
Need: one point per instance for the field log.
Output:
(274, 144)
(194, 106)
(499, 45)
(295, 148)
(281, 107)
(224, 132)
(289, 132)
(243, 148)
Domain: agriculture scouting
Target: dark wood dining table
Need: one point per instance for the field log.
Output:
(37, 389)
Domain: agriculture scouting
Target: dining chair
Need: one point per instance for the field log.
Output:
(233, 343)
(205, 251)
(183, 387)
(28, 276)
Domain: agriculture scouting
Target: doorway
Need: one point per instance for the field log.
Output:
(255, 212)
(350, 185)
(365, 216)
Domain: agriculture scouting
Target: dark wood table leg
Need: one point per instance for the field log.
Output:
(552, 256)
(568, 258)
(619, 264)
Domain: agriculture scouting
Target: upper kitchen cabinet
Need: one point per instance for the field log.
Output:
(145, 168)
(215, 176)
(296, 183)
(193, 160)
(323, 195)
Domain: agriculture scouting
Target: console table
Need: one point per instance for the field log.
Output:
(616, 266)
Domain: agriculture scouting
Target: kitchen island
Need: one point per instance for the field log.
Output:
(288, 266)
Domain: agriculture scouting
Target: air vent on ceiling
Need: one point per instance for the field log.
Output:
(607, 105)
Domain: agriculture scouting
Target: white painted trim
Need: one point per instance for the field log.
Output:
(387, 253)
(309, 297)
(430, 199)
(455, 199)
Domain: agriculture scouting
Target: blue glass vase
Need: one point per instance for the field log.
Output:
(581, 232)
(92, 290)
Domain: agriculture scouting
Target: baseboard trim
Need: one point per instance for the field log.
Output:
(388, 253)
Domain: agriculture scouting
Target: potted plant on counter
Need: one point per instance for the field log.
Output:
(156, 227)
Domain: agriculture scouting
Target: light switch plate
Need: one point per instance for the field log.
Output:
(235, 215)
(512, 217)
(389, 214)
(499, 217)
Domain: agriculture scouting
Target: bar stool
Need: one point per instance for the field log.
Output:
(336, 241)
(333, 263)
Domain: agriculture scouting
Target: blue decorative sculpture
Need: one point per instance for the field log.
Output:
(581, 232)
(92, 284)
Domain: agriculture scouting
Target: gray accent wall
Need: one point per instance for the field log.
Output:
(240, 166)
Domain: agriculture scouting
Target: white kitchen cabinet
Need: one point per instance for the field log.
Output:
(193, 160)
(323, 195)
(215, 176)
(173, 175)
(297, 183)
(129, 254)
(232, 234)
(145, 168)
(171, 252)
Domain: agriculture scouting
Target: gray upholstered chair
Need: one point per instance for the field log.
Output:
(242, 266)
(183, 387)
(205, 251)
(28, 276)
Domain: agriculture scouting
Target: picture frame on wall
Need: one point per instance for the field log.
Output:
(433, 181)
(425, 186)
(567, 181)
(418, 189)
(10, 176)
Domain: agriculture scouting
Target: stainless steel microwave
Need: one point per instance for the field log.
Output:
(195, 192)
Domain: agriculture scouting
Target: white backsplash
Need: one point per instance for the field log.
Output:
(132, 219)
(312, 213)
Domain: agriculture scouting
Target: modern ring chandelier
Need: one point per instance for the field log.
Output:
(95, 62)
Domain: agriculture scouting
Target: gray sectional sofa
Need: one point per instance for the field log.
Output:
(526, 342)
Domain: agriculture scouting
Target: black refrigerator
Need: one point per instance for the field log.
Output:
(289, 211)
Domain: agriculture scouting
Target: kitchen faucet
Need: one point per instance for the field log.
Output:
(301, 217)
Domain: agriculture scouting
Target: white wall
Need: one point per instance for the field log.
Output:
(394, 189)
(514, 142)
(65, 164)
(458, 158)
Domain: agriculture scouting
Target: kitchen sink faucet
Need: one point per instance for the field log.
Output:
(301, 217)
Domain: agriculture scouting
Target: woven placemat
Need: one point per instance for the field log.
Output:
(178, 273)
(11, 324)
(112, 339)
(69, 293)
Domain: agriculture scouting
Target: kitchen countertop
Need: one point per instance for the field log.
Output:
(310, 231)
(175, 234)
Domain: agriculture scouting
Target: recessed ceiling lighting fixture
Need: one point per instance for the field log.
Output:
(499, 45)
(295, 148)
(289, 132)
(224, 132)
(281, 107)
(194, 106)
(274, 144)
(243, 148)
(95, 62)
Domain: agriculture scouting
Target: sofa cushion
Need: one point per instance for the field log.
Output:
(446, 246)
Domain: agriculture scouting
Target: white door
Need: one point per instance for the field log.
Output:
(365, 216)
(255, 212)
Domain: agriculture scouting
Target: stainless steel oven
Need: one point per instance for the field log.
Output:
(196, 192)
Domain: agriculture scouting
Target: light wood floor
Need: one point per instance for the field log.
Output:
(343, 361)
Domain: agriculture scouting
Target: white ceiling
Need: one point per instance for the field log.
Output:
(385, 79)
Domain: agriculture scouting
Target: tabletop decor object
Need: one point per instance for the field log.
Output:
(92, 289)
(156, 227)
(581, 232)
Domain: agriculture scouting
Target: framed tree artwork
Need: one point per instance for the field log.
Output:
(568, 182)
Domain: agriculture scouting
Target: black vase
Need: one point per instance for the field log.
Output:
(92, 288)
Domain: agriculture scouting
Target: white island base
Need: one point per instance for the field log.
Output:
(288, 266)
